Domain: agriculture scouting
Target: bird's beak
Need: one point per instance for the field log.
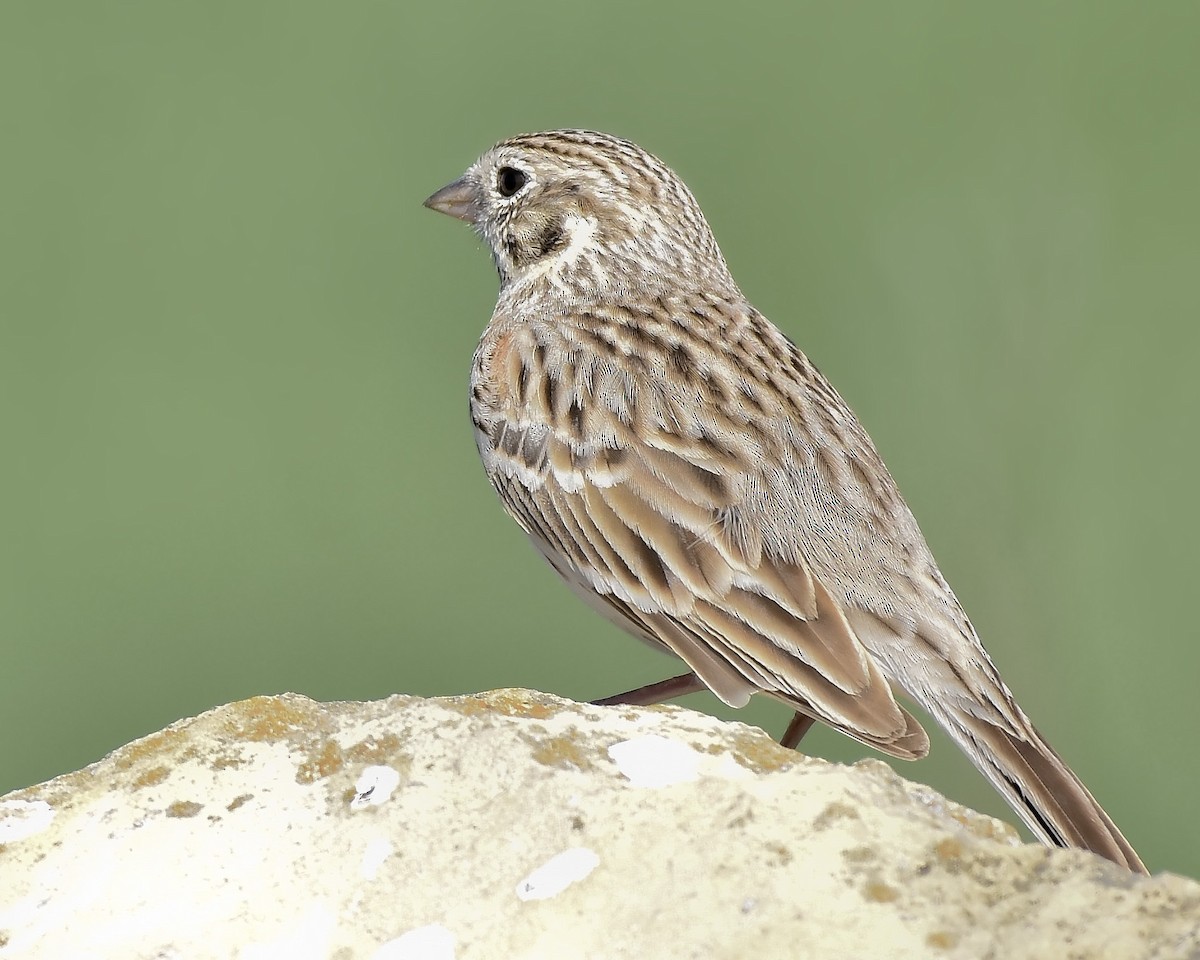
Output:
(458, 199)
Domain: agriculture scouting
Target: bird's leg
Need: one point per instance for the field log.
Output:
(796, 730)
(655, 692)
(687, 683)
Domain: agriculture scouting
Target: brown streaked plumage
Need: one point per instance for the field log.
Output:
(688, 472)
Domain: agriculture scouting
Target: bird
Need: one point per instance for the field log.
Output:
(690, 474)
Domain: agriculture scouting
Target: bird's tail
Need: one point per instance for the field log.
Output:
(1040, 787)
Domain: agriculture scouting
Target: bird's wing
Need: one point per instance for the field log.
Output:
(654, 522)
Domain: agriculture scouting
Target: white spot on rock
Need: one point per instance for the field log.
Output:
(309, 937)
(375, 785)
(22, 819)
(377, 851)
(433, 942)
(558, 873)
(655, 761)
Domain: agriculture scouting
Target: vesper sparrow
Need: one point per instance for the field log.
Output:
(689, 472)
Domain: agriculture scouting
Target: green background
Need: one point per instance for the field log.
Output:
(234, 347)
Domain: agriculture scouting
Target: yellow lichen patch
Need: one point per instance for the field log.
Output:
(329, 760)
(238, 801)
(778, 855)
(268, 719)
(758, 752)
(151, 747)
(942, 940)
(508, 703)
(225, 760)
(632, 714)
(151, 777)
(880, 892)
(182, 809)
(857, 855)
(948, 849)
(559, 752)
(833, 813)
(375, 750)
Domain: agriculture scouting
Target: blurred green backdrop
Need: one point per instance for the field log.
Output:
(234, 347)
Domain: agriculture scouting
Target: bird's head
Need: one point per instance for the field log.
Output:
(585, 214)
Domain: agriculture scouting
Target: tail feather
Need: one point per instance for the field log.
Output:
(1042, 789)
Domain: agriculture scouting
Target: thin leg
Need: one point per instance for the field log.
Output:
(655, 692)
(796, 730)
(687, 683)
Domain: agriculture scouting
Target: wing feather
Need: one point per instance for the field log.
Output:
(670, 570)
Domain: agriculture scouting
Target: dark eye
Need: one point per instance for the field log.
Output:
(509, 180)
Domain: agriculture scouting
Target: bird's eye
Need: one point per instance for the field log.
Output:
(509, 180)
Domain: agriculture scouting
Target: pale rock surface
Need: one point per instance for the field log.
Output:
(515, 825)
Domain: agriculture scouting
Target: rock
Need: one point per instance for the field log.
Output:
(516, 825)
